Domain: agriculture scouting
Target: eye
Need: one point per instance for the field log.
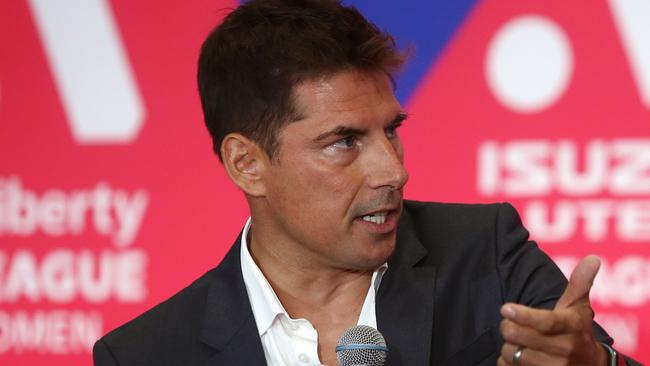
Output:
(345, 143)
(391, 131)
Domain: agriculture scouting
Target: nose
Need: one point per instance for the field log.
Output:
(386, 165)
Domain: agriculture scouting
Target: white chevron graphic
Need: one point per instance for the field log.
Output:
(90, 69)
(631, 18)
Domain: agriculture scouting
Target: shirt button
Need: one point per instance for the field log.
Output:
(303, 358)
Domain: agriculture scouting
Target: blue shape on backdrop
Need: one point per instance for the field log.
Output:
(426, 25)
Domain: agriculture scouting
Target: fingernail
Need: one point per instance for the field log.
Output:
(509, 312)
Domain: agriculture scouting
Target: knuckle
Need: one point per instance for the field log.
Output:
(538, 363)
(507, 351)
(504, 351)
(573, 348)
(575, 322)
(509, 331)
(548, 324)
(564, 349)
(503, 325)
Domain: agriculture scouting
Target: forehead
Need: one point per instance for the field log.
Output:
(348, 97)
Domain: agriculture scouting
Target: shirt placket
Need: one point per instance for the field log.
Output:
(304, 342)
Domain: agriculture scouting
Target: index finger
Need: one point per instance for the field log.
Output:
(542, 320)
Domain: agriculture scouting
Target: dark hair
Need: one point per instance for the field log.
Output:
(250, 63)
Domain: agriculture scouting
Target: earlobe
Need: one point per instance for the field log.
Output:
(244, 163)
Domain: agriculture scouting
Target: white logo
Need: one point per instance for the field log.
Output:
(91, 70)
(529, 62)
(631, 18)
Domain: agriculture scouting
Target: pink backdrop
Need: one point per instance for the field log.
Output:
(111, 200)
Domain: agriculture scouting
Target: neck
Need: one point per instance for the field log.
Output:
(304, 285)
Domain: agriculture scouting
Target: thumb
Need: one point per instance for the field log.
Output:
(580, 282)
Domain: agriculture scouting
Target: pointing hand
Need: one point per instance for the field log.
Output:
(562, 336)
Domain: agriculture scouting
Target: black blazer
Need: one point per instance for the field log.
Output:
(438, 303)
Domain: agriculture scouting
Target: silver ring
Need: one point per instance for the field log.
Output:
(516, 357)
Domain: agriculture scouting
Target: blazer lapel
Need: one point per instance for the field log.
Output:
(404, 308)
(229, 326)
(405, 301)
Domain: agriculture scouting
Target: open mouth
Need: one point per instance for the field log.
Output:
(380, 222)
(377, 217)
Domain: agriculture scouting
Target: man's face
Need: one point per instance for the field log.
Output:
(335, 190)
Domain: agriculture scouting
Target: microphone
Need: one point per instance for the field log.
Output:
(361, 345)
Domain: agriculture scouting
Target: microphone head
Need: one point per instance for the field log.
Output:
(361, 345)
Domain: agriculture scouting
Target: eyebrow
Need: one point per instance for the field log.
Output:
(350, 131)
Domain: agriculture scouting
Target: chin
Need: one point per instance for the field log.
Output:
(371, 263)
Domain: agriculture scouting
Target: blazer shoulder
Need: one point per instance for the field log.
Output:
(173, 322)
(449, 229)
(459, 216)
(452, 206)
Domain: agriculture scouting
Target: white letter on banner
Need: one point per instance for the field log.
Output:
(632, 174)
(570, 179)
(527, 164)
(556, 226)
(57, 276)
(488, 168)
(90, 69)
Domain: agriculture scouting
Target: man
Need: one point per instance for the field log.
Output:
(297, 95)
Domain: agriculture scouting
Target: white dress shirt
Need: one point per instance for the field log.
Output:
(288, 341)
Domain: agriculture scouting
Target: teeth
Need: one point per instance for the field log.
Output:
(377, 218)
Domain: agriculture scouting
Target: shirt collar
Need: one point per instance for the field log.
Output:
(264, 302)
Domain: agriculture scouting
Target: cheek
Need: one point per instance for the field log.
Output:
(320, 174)
(311, 184)
(336, 185)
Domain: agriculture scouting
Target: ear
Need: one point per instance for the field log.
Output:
(245, 163)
